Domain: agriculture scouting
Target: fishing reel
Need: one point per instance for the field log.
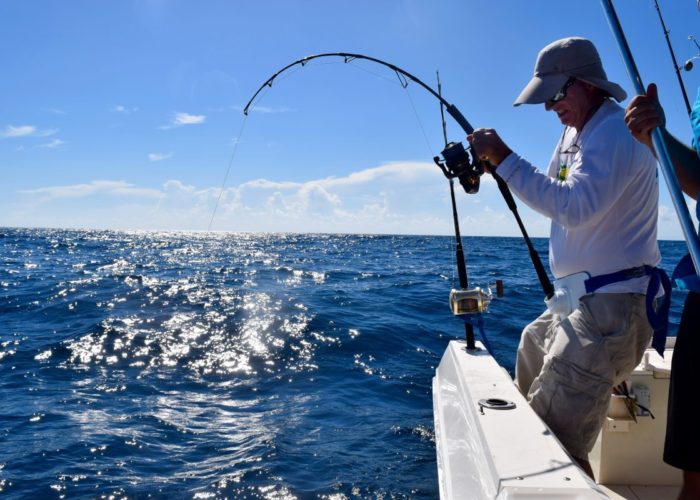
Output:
(457, 163)
(688, 65)
(473, 301)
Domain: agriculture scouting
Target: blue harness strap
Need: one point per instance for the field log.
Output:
(658, 316)
(478, 322)
(684, 275)
(656, 313)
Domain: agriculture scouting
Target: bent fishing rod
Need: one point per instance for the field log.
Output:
(658, 140)
(457, 163)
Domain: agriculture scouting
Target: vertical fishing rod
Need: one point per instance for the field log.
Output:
(673, 59)
(665, 163)
(459, 251)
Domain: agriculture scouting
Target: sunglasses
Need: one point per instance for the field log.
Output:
(561, 95)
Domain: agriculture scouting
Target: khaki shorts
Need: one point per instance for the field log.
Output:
(567, 369)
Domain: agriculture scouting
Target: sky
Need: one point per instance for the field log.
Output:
(127, 114)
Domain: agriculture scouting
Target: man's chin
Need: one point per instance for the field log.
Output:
(564, 120)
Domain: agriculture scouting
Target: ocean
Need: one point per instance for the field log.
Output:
(205, 365)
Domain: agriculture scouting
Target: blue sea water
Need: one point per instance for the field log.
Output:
(189, 365)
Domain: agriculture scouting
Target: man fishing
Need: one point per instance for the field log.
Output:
(682, 447)
(601, 194)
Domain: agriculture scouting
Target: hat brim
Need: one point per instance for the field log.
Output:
(541, 89)
(611, 88)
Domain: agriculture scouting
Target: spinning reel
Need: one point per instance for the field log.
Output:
(457, 163)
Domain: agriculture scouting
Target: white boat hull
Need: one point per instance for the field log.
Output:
(511, 453)
(497, 453)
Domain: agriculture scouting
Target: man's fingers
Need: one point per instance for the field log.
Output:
(653, 92)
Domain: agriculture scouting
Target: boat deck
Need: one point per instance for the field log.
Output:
(486, 452)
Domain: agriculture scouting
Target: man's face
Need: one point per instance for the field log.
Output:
(573, 110)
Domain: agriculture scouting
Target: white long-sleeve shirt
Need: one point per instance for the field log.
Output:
(602, 194)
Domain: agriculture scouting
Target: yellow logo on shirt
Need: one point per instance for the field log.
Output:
(563, 171)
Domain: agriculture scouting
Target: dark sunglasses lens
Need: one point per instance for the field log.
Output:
(562, 92)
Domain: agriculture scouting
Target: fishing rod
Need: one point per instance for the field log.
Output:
(459, 250)
(676, 67)
(457, 162)
(657, 137)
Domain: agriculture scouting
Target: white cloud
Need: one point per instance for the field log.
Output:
(46, 133)
(52, 144)
(269, 110)
(175, 185)
(395, 171)
(21, 131)
(265, 184)
(124, 109)
(12, 132)
(398, 197)
(187, 119)
(159, 156)
(117, 188)
(669, 226)
(181, 119)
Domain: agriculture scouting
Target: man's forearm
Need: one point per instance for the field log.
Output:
(686, 163)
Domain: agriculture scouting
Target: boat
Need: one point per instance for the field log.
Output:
(491, 444)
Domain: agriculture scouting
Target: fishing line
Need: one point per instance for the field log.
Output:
(228, 169)
(235, 149)
(408, 94)
(292, 71)
(420, 123)
(373, 73)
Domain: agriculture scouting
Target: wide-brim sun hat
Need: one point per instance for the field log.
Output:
(560, 60)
